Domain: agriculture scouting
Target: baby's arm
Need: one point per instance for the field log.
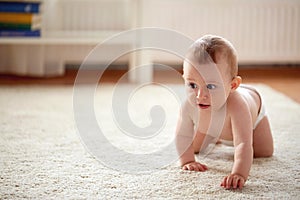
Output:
(184, 142)
(243, 156)
(186, 151)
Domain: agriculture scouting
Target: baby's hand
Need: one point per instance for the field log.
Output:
(194, 166)
(233, 181)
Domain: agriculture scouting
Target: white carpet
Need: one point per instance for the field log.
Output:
(42, 156)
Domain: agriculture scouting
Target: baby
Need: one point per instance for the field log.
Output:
(219, 109)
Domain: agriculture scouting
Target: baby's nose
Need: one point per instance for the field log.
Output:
(201, 94)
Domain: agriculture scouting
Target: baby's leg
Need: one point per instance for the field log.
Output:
(262, 139)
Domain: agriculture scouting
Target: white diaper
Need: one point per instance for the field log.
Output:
(226, 142)
(262, 113)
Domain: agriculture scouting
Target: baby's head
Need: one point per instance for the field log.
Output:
(210, 70)
(211, 48)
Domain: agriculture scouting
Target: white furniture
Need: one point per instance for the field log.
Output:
(263, 32)
(71, 29)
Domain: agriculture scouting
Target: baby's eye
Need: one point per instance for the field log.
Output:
(211, 86)
(192, 85)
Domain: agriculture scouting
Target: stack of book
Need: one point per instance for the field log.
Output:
(20, 18)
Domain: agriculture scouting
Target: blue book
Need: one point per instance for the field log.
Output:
(20, 33)
(23, 7)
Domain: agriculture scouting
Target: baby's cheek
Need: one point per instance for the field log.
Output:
(192, 98)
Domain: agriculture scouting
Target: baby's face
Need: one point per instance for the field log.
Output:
(208, 85)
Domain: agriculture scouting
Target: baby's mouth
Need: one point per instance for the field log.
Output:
(203, 106)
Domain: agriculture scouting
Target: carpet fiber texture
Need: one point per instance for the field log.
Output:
(42, 156)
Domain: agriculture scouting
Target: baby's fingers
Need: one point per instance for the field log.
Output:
(194, 167)
(229, 182)
(188, 167)
(235, 182)
(238, 182)
(223, 183)
(241, 183)
(201, 167)
(191, 168)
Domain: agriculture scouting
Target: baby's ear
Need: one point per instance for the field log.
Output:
(235, 83)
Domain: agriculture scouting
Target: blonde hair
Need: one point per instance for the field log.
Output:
(210, 47)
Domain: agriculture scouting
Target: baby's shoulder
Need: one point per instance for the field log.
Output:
(245, 98)
(238, 100)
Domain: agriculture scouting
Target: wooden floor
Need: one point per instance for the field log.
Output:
(283, 79)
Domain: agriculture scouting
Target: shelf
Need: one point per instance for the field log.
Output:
(65, 38)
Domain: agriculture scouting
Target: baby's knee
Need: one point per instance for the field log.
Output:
(264, 154)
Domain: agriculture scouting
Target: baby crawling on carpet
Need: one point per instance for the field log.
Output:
(219, 109)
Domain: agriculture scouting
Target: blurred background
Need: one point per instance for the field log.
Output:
(265, 33)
